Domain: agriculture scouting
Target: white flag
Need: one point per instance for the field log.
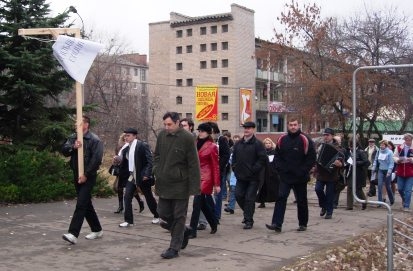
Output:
(76, 55)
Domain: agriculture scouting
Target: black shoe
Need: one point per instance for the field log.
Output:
(328, 217)
(302, 228)
(191, 235)
(169, 253)
(201, 227)
(273, 227)
(141, 206)
(349, 208)
(164, 225)
(243, 221)
(119, 210)
(371, 194)
(262, 205)
(229, 210)
(335, 206)
(186, 238)
(247, 226)
(323, 211)
(214, 230)
(364, 206)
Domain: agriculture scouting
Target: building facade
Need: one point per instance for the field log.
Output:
(217, 50)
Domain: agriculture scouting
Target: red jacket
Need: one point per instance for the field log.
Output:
(403, 169)
(209, 163)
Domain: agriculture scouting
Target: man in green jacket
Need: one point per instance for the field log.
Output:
(177, 176)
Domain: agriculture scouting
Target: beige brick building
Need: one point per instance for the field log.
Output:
(185, 52)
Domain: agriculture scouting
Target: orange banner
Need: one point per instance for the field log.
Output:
(206, 103)
(245, 106)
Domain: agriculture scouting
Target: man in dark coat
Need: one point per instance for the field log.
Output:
(248, 161)
(295, 156)
(177, 176)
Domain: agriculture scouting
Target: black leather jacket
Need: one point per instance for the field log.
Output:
(92, 152)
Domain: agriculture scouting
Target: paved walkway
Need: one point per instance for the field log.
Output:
(30, 238)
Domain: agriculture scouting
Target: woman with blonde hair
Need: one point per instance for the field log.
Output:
(268, 187)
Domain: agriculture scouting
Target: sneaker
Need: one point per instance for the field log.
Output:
(125, 225)
(155, 220)
(94, 235)
(70, 238)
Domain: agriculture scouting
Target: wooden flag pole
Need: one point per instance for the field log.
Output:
(55, 32)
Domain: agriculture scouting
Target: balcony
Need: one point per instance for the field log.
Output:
(274, 76)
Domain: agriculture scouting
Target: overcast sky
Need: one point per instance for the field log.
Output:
(128, 20)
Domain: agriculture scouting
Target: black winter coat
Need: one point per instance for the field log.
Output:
(248, 160)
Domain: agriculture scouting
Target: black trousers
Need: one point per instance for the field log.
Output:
(245, 194)
(146, 189)
(84, 208)
(203, 203)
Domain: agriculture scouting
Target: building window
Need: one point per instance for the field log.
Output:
(178, 99)
(214, 46)
(224, 63)
(224, 99)
(143, 89)
(214, 29)
(214, 63)
(189, 49)
(224, 116)
(179, 82)
(224, 80)
(189, 32)
(136, 72)
(203, 64)
(178, 66)
(189, 82)
(188, 115)
(203, 47)
(224, 28)
(203, 30)
(143, 75)
(179, 50)
(179, 33)
(224, 45)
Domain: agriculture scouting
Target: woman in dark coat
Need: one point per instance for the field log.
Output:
(362, 163)
(268, 187)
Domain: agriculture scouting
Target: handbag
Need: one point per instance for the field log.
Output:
(114, 170)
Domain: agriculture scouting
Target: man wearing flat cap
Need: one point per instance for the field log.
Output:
(327, 178)
(139, 162)
(248, 162)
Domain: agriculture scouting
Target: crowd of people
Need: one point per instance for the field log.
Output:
(241, 169)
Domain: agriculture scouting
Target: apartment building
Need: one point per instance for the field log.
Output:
(218, 50)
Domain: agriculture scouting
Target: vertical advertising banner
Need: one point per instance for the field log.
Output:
(206, 103)
(245, 106)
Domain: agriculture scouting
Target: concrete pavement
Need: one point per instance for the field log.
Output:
(31, 238)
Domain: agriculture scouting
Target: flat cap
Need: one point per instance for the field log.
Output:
(249, 124)
(131, 131)
(328, 131)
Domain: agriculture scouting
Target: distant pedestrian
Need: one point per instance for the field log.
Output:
(383, 166)
(403, 157)
(371, 151)
(92, 154)
(177, 175)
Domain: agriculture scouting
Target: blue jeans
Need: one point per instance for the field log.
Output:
(383, 178)
(326, 198)
(405, 185)
(218, 196)
(300, 191)
(232, 200)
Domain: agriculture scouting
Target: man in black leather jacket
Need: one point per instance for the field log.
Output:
(93, 153)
